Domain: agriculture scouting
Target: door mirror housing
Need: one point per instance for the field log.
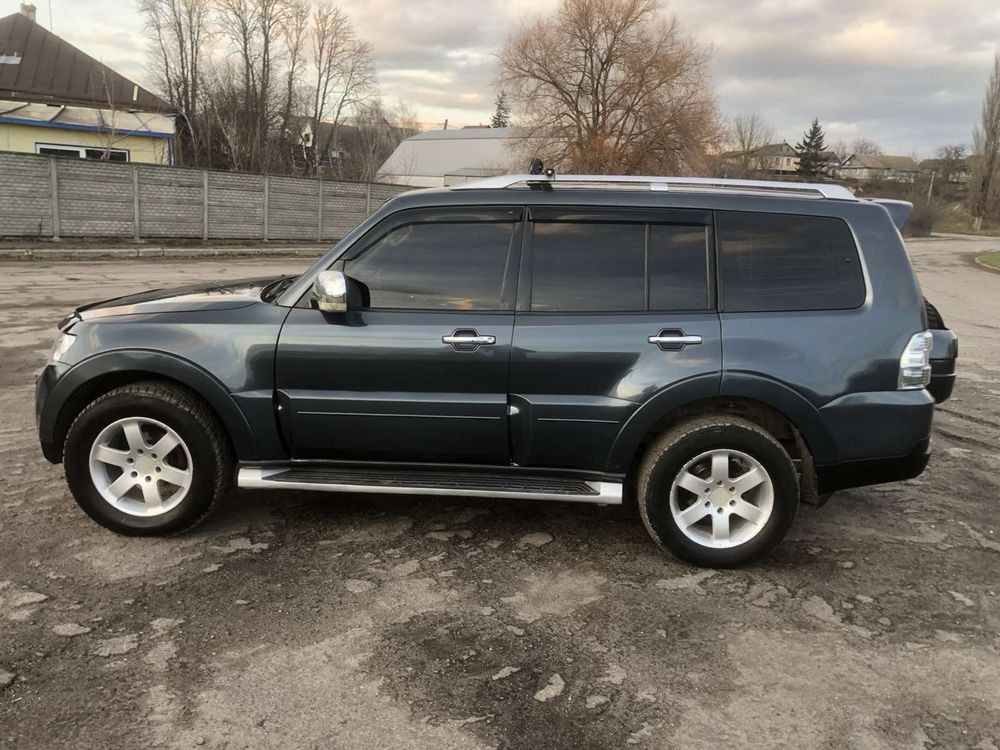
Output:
(330, 292)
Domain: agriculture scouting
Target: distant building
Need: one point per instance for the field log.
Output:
(438, 158)
(956, 171)
(57, 100)
(876, 167)
(777, 158)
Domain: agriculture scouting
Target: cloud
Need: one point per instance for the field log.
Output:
(908, 74)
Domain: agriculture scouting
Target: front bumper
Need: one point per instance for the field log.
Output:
(44, 422)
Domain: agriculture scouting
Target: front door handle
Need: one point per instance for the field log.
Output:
(672, 340)
(468, 340)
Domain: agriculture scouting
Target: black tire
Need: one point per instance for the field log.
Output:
(668, 455)
(212, 466)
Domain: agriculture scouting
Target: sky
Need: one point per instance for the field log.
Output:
(909, 74)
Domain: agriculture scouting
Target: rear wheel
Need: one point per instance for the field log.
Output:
(717, 491)
(147, 459)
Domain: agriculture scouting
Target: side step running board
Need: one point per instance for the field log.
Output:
(464, 484)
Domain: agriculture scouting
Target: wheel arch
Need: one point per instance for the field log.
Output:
(97, 375)
(775, 407)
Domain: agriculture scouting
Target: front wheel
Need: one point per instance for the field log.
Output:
(717, 491)
(147, 459)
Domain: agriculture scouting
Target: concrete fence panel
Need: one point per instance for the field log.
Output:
(48, 197)
(171, 202)
(95, 199)
(25, 196)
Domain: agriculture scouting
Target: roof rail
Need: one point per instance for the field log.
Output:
(679, 184)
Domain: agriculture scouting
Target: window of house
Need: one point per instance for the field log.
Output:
(783, 262)
(437, 266)
(82, 152)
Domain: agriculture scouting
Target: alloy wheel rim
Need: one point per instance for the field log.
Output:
(141, 467)
(722, 498)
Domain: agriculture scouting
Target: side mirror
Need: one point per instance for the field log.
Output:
(330, 292)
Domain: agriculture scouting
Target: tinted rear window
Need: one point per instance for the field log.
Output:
(620, 267)
(781, 262)
(588, 267)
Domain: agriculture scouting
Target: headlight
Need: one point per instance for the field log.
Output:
(60, 347)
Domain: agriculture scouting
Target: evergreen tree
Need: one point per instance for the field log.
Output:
(501, 116)
(812, 161)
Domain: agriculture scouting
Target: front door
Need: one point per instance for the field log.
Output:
(419, 374)
(614, 307)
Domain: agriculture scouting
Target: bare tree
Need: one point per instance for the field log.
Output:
(610, 86)
(253, 29)
(864, 146)
(746, 135)
(179, 32)
(377, 131)
(952, 159)
(294, 36)
(344, 75)
(984, 186)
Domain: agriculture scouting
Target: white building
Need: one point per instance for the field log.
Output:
(439, 158)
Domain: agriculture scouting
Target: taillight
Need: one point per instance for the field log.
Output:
(915, 364)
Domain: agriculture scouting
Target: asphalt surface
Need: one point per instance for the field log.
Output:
(339, 621)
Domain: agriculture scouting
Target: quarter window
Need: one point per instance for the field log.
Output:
(437, 266)
(782, 262)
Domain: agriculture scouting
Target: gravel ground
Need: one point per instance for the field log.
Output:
(320, 621)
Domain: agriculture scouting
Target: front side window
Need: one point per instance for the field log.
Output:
(437, 266)
(784, 262)
(618, 267)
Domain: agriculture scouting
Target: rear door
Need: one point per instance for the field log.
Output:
(613, 306)
(419, 374)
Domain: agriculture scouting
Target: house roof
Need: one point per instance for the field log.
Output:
(93, 119)
(776, 149)
(881, 161)
(436, 153)
(36, 65)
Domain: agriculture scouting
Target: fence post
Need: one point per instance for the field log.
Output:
(319, 210)
(368, 199)
(204, 207)
(54, 191)
(267, 202)
(135, 202)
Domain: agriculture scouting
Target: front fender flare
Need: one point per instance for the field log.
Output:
(145, 363)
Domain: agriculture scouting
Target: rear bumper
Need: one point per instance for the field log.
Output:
(873, 471)
(944, 355)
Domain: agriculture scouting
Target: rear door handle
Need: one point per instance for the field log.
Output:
(468, 340)
(673, 340)
(481, 340)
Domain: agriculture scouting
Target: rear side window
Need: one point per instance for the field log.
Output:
(781, 262)
(578, 267)
(618, 267)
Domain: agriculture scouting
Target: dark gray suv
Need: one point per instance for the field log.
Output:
(715, 351)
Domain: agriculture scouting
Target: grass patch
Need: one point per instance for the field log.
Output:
(990, 260)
